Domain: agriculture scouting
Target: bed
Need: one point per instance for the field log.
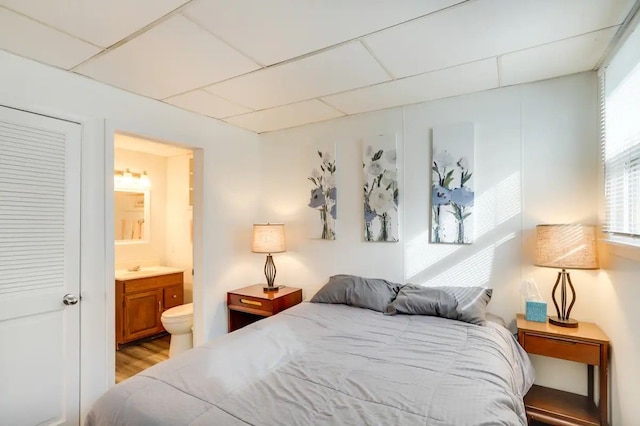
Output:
(333, 364)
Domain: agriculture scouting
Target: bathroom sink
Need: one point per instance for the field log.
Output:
(147, 271)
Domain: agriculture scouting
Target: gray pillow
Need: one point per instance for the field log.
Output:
(417, 300)
(471, 302)
(369, 293)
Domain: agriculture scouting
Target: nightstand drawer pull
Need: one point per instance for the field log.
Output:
(250, 302)
(564, 342)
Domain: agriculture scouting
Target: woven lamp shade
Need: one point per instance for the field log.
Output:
(567, 246)
(268, 238)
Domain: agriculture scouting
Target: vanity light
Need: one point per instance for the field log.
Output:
(144, 180)
(128, 179)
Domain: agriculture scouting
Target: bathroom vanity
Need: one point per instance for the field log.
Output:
(141, 298)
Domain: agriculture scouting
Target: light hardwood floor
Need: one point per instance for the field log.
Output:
(133, 359)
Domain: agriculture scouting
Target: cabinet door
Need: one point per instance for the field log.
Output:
(142, 313)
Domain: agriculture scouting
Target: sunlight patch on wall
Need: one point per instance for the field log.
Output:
(474, 271)
(493, 208)
(498, 205)
(421, 254)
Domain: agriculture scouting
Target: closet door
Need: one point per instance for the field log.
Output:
(39, 269)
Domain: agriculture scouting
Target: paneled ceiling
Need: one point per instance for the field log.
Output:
(269, 65)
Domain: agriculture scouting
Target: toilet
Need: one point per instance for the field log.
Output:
(178, 321)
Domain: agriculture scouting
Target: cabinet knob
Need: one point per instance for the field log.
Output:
(175, 296)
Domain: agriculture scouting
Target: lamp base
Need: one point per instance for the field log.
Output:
(569, 322)
(563, 318)
(270, 288)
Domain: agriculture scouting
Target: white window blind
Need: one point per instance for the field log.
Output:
(620, 105)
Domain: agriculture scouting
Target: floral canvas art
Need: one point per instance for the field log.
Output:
(380, 189)
(452, 193)
(323, 196)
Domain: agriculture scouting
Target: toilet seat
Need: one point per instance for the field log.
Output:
(178, 313)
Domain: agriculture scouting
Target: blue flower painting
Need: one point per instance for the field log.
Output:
(452, 194)
(323, 197)
(380, 190)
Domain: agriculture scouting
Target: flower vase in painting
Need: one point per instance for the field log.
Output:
(380, 192)
(324, 194)
(452, 194)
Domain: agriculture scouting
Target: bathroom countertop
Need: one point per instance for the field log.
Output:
(145, 272)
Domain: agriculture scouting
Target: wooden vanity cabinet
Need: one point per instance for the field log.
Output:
(140, 303)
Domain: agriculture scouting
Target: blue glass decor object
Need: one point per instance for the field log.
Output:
(536, 311)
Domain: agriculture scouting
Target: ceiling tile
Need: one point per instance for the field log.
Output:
(288, 28)
(481, 29)
(285, 116)
(564, 57)
(468, 78)
(205, 103)
(33, 40)
(343, 68)
(172, 58)
(100, 22)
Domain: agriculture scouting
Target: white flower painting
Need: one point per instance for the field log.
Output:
(380, 189)
(452, 193)
(323, 197)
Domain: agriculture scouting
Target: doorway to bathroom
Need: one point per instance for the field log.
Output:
(153, 252)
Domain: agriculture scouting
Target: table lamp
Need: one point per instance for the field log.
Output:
(269, 238)
(566, 247)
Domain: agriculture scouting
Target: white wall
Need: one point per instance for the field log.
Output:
(227, 158)
(307, 263)
(618, 296)
(152, 252)
(179, 216)
(536, 162)
(561, 178)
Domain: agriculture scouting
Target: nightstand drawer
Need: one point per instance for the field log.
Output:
(251, 302)
(564, 349)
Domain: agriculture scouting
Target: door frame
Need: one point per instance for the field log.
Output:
(110, 129)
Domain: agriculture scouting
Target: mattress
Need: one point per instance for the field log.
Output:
(319, 364)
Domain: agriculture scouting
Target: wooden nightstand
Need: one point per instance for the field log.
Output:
(586, 344)
(250, 304)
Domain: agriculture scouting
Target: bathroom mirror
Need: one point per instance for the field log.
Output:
(132, 215)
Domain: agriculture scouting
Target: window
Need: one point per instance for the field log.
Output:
(620, 105)
(622, 157)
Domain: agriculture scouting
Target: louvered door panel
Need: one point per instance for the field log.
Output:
(32, 208)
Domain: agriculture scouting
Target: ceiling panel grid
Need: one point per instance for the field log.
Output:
(271, 65)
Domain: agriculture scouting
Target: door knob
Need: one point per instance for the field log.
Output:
(69, 299)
